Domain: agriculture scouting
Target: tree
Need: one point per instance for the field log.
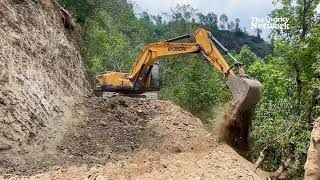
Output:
(209, 20)
(202, 19)
(183, 12)
(145, 16)
(193, 84)
(229, 27)
(237, 28)
(247, 57)
(212, 19)
(232, 26)
(157, 19)
(81, 9)
(302, 21)
(223, 21)
(275, 126)
(258, 31)
(290, 93)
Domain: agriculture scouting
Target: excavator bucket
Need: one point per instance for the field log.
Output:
(235, 125)
(246, 92)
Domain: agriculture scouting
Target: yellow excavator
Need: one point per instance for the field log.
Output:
(246, 92)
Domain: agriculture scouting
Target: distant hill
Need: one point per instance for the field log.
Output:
(236, 40)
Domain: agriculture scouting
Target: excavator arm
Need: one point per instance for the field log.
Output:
(155, 51)
(203, 44)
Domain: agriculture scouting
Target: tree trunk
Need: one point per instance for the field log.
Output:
(283, 168)
(304, 31)
(312, 165)
(299, 85)
(311, 110)
(260, 159)
(304, 24)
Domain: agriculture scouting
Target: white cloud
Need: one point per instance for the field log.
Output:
(243, 9)
(157, 7)
(191, 2)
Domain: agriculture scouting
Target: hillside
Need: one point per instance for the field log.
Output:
(236, 40)
(42, 76)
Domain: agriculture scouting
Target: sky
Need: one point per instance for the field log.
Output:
(243, 9)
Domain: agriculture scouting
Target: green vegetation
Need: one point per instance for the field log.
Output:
(112, 36)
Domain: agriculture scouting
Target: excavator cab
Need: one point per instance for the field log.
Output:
(155, 77)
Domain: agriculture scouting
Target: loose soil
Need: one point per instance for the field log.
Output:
(131, 138)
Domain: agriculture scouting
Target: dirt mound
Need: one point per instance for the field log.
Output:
(137, 138)
(119, 125)
(105, 130)
(109, 127)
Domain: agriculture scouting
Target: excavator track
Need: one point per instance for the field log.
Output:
(146, 95)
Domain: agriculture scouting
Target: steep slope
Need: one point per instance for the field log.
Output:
(41, 76)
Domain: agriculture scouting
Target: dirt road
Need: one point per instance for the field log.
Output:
(125, 138)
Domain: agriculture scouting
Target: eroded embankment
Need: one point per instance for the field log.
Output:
(41, 77)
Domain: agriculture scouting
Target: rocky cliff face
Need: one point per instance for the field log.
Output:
(41, 76)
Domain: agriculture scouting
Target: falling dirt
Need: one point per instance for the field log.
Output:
(233, 127)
